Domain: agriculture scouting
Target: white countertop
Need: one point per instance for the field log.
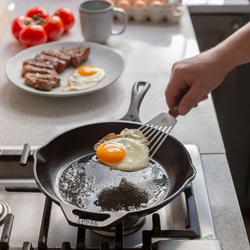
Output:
(215, 2)
(150, 51)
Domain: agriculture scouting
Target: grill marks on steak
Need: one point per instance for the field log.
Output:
(42, 71)
(58, 54)
(33, 69)
(59, 65)
(41, 64)
(42, 81)
(78, 55)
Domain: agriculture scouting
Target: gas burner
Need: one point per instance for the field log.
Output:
(131, 225)
(4, 210)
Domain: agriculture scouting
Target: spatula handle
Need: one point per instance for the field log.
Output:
(138, 92)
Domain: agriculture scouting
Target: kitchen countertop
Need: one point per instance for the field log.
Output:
(36, 119)
(216, 2)
(147, 47)
(224, 205)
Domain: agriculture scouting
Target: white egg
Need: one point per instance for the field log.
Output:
(127, 151)
(79, 81)
(137, 155)
(135, 134)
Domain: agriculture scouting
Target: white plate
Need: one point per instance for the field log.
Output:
(102, 56)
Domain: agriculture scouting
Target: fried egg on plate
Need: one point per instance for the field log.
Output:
(127, 151)
(84, 77)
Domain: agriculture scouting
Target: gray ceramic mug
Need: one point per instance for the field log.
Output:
(96, 17)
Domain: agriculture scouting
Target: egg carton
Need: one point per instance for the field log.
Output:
(151, 10)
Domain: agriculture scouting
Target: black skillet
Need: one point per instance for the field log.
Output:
(174, 168)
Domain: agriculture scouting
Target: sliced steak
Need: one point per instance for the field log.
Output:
(58, 54)
(41, 72)
(42, 81)
(33, 69)
(59, 65)
(78, 55)
(45, 64)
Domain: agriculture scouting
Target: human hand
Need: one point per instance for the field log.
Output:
(192, 80)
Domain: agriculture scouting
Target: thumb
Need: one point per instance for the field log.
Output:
(190, 100)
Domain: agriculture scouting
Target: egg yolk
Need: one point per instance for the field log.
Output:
(87, 70)
(111, 152)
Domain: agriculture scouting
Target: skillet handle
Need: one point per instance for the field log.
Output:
(79, 218)
(138, 92)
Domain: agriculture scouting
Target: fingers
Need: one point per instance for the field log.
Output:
(183, 91)
(174, 91)
(182, 97)
(204, 98)
(191, 99)
(174, 112)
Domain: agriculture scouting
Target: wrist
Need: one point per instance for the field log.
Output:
(224, 58)
(235, 49)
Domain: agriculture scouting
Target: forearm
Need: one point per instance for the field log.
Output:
(193, 78)
(235, 50)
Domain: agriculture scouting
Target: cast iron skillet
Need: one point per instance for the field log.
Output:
(51, 159)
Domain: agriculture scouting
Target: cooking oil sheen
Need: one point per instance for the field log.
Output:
(90, 185)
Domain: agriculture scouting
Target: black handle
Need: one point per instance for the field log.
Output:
(80, 218)
(138, 92)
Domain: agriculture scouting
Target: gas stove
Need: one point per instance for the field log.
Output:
(30, 221)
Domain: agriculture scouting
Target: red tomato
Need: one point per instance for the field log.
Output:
(32, 35)
(37, 12)
(19, 23)
(67, 17)
(54, 28)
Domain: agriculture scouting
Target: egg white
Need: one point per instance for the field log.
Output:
(137, 155)
(79, 82)
(134, 134)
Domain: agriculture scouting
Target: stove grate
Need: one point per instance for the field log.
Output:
(7, 226)
(191, 231)
(27, 246)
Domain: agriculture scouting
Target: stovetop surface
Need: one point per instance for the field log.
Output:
(185, 223)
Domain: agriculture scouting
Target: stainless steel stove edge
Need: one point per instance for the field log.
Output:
(199, 190)
(188, 245)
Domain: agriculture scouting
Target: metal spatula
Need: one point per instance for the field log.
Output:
(157, 130)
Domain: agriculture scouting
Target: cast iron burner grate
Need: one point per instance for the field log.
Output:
(192, 230)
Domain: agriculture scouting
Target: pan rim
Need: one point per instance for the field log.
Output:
(153, 207)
